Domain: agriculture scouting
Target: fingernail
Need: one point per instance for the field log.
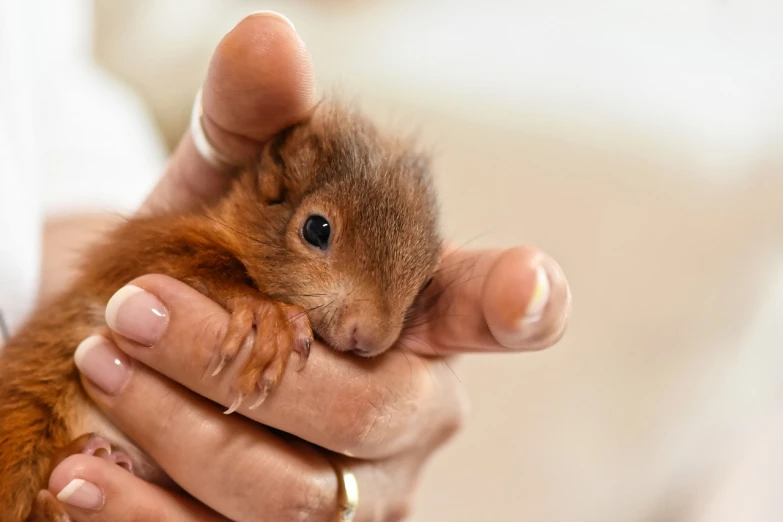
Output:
(102, 363)
(137, 315)
(538, 302)
(81, 494)
(275, 14)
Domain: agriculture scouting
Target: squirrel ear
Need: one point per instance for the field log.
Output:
(287, 164)
(272, 171)
(271, 185)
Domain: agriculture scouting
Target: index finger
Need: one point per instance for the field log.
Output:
(365, 408)
(260, 80)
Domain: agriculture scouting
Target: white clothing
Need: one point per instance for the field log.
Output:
(70, 137)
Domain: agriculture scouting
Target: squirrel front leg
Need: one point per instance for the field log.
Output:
(214, 270)
(277, 330)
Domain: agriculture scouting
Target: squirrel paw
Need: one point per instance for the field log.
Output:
(280, 329)
(97, 446)
(46, 507)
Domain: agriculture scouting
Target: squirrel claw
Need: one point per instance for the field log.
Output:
(220, 366)
(263, 394)
(286, 328)
(235, 405)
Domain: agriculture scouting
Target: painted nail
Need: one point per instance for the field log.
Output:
(539, 300)
(81, 494)
(275, 14)
(137, 315)
(102, 363)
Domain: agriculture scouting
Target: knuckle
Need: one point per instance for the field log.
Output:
(452, 425)
(382, 411)
(454, 418)
(366, 425)
(459, 415)
(399, 511)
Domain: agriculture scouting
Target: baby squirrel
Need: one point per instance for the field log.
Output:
(332, 232)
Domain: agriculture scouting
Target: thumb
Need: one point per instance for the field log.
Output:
(260, 80)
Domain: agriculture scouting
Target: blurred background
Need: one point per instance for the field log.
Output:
(637, 142)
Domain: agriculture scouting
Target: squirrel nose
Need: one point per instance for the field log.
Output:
(367, 341)
(354, 340)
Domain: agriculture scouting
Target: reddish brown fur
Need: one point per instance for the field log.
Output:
(245, 252)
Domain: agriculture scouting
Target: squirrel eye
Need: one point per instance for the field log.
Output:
(316, 231)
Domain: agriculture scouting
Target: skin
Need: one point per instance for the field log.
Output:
(383, 417)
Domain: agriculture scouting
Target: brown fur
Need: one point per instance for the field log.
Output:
(246, 252)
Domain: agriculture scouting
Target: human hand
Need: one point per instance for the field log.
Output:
(260, 80)
(383, 417)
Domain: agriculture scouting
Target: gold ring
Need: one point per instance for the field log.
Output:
(349, 493)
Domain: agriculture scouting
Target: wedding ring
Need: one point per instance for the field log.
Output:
(204, 147)
(349, 493)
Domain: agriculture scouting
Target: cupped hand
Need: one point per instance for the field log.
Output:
(381, 419)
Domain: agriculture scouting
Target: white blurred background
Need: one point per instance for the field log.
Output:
(637, 142)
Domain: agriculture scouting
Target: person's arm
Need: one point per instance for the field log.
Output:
(382, 419)
(64, 238)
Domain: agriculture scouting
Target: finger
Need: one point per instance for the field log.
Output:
(492, 300)
(392, 483)
(366, 408)
(92, 489)
(260, 80)
(229, 463)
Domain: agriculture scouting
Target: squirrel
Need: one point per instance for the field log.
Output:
(331, 233)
